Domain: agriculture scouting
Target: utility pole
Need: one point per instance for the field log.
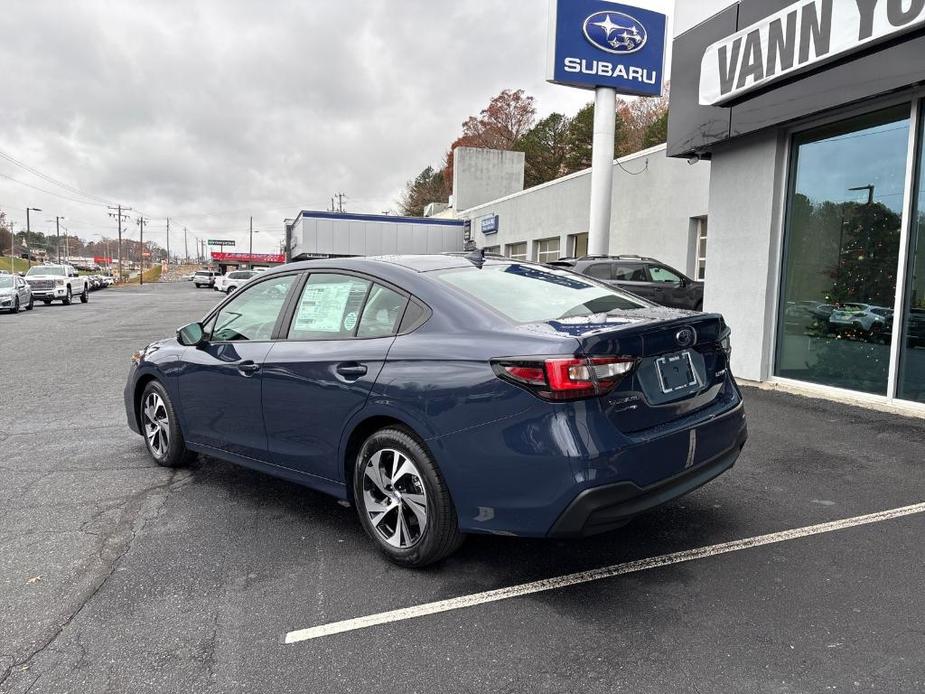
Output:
(58, 238)
(251, 251)
(141, 225)
(168, 241)
(119, 216)
(185, 248)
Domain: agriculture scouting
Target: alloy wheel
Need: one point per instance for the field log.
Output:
(394, 498)
(157, 424)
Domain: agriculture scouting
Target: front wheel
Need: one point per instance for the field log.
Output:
(160, 428)
(85, 295)
(403, 502)
(67, 299)
(15, 308)
(31, 303)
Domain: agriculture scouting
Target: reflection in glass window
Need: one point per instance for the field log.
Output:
(842, 252)
(329, 307)
(252, 314)
(912, 348)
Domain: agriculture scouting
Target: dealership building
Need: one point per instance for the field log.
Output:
(811, 116)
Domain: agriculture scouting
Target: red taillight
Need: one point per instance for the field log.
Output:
(569, 378)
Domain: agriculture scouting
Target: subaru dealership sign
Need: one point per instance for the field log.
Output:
(597, 43)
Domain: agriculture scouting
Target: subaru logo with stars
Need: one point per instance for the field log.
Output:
(615, 32)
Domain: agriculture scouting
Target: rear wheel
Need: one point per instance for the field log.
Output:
(402, 500)
(160, 428)
(31, 303)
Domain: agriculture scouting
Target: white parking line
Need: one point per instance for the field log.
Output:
(593, 575)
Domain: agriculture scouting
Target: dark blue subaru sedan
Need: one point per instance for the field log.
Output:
(444, 395)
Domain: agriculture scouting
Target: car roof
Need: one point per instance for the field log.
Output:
(415, 263)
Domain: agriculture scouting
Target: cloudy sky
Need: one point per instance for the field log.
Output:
(210, 111)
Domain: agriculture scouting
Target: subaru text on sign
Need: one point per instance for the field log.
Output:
(594, 43)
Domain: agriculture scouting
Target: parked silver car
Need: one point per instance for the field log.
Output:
(15, 294)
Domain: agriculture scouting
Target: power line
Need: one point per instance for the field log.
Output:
(51, 179)
(58, 195)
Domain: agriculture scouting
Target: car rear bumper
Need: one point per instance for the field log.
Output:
(601, 509)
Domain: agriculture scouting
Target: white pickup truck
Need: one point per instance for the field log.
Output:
(57, 282)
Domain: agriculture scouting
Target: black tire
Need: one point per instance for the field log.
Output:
(31, 303)
(198, 286)
(15, 308)
(66, 301)
(175, 453)
(85, 295)
(440, 535)
(47, 302)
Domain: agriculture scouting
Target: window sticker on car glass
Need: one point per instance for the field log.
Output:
(329, 307)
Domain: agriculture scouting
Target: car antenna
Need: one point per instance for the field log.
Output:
(476, 257)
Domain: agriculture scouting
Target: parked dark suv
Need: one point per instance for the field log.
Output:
(645, 277)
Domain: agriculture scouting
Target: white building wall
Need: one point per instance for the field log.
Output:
(655, 199)
(480, 175)
(743, 251)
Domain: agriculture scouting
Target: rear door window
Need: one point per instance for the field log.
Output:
(329, 308)
(630, 272)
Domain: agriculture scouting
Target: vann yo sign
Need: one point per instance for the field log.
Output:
(800, 37)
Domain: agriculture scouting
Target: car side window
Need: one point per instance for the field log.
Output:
(329, 308)
(663, 274)
(252, 314)
(630, 272)
(382, 313)
(600, 271)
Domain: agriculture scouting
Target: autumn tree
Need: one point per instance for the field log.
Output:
(5, 234)
(639, 116)
(500, 125)
(427, 187)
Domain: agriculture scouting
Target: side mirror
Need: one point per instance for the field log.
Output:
(191, 335)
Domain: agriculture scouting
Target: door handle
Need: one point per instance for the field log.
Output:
(352, 370)
(248, 368)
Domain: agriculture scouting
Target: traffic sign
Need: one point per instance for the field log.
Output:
(220, 242)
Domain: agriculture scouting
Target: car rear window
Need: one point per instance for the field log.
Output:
(528, 294)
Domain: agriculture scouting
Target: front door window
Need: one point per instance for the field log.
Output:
(842, 252)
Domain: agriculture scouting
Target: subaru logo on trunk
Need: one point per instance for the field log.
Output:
(615, 32)
(685, 337)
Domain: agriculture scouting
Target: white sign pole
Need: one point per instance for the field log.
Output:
(605, 123)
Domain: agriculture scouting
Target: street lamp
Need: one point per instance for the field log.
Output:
(28, 225)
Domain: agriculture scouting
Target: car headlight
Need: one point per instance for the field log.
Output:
(60, 283)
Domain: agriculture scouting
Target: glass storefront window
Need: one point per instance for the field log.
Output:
(841, 252)
(911, 382)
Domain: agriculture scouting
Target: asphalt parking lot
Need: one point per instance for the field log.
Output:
(117, 575)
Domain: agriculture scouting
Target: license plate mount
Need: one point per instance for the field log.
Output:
(676, 372)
